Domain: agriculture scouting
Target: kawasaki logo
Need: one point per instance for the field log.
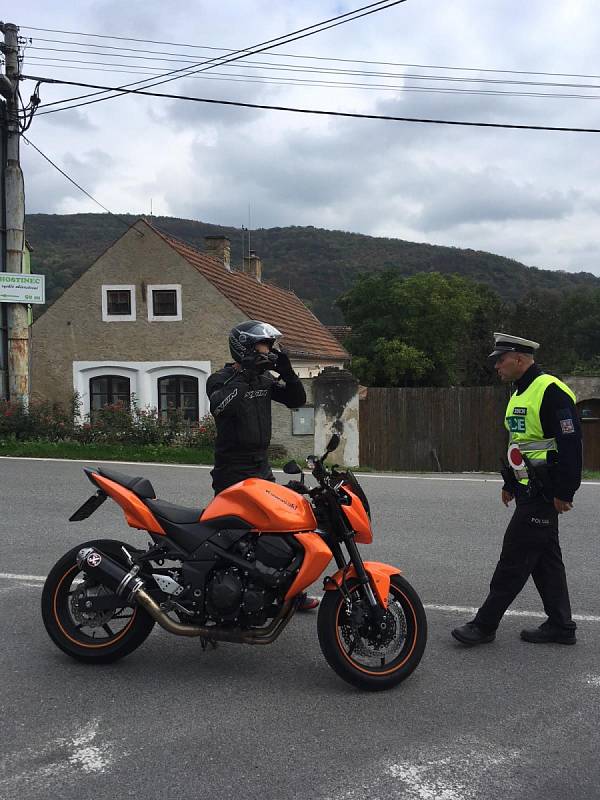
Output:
(289, 504)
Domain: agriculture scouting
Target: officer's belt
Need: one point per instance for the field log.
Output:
(538, 444)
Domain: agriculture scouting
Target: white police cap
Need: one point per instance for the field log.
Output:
(505, 343)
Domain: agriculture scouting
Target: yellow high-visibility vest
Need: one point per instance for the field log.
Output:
(522, 419)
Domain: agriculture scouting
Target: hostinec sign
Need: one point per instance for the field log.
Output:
(18, 287)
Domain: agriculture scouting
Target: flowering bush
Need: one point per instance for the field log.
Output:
(116, 423)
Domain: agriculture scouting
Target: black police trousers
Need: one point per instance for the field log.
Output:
(226, 473)
(530, 547)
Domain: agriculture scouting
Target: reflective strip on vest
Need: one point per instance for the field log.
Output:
(538, 444)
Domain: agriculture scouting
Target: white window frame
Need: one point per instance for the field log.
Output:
(106, 317)
(143, 379)
(152, 287)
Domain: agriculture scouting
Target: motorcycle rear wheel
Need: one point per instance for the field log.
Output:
(98, 638)
(362, 660)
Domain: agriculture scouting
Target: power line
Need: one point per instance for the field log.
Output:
(299, 82)
(347, 114)
(184, 57)
(293, 55)
(359, 73)
(301, 33)
(81, 189)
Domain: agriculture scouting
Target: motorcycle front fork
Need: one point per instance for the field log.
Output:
(361, 573)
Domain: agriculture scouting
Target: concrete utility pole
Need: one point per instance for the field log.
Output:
(14, 210)
(3, 330)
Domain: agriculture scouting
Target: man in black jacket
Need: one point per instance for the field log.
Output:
(543, 424)
(240, 397)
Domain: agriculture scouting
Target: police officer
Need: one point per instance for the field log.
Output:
(542, 476)
(240, 397)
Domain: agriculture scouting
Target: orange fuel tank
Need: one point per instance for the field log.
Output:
(268, 507)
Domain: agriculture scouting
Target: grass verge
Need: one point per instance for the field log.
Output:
(108, 452)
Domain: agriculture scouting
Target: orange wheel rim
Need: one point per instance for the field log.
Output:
(97, 645)
(380, 673)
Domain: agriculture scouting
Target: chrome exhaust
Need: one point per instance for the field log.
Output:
(132, 589)
(262, 636)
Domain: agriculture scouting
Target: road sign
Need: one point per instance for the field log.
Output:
(17, 287)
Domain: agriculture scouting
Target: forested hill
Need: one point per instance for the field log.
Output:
(319, 265)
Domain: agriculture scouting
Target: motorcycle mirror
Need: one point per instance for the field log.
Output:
(292, 468)
(333, 443)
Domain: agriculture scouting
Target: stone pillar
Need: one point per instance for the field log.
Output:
(336, 401)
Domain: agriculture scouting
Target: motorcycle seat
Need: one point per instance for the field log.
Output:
(139, 486)
(180, 515)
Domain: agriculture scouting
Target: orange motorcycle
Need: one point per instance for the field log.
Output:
(235, 572)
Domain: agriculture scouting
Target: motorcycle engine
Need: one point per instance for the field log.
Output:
(249, 598)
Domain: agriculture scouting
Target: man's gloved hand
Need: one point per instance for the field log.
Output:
(255, 363)
(283, 366)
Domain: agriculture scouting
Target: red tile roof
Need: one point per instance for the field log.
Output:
(303, 335)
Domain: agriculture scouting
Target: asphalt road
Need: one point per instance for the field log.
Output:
(507, 720)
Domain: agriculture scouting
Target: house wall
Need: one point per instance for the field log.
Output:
(584, 388)
(296, 446)
(72, 330)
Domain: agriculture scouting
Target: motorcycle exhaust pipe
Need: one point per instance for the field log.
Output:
(126, 584)
(98, 565)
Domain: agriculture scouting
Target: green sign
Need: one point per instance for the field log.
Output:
(15, 287)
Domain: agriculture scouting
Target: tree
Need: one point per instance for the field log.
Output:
(429, 329)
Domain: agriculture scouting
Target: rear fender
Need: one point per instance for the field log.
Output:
(137, 514)
(379, 578)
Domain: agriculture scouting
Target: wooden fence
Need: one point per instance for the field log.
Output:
(450, 430)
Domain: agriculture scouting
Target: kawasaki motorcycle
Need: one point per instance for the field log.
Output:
(235, 572)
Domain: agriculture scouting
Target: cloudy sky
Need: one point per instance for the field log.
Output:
(534, 196)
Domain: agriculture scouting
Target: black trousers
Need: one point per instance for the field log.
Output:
(530, 547)
(226, 473)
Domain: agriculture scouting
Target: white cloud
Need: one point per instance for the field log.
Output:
(529, 195)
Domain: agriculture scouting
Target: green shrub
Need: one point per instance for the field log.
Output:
(113, 424)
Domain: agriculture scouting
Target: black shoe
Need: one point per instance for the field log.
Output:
(547, 634)
(473, 634)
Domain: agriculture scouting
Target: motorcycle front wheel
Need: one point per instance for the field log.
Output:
(97, 637)
(368, 655)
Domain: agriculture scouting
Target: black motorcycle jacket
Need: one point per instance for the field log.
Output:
(241, 406)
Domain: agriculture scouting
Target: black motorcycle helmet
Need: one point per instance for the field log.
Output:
(244, 337)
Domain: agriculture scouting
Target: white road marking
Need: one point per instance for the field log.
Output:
(449, 609)
(510, 613)
(60, 761)
(391, 476)
(463, 770)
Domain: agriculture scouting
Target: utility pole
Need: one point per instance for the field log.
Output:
(14, 212)
(3, 329)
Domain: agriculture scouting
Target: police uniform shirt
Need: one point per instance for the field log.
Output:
(560, 421)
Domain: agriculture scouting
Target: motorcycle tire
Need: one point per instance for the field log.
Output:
(365, 662)
(66, 625)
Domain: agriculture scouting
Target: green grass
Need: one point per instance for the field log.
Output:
(108, 452)
(145, 453)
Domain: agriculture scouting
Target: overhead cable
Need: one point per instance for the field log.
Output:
(81, 189)
(294, 55)
(301, 33)
(346, 114)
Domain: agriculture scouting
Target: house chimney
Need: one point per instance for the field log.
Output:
(252, 266)
(219, 247)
